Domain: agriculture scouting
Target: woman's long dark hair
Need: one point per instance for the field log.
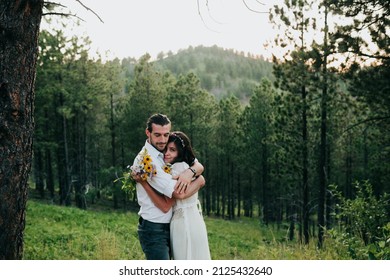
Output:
(184, 149)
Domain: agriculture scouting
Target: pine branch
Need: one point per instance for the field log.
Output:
(62, 15)
(47, 4)
(250, 9)
(88, 9)
(373, 56)
(366, 121)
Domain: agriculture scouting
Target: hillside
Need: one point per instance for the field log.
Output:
(222, 72)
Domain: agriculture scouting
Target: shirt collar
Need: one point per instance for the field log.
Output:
(152, 150)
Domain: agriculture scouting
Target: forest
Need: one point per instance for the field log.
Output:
(301, 141)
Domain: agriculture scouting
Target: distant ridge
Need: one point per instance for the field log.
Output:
(222, 72)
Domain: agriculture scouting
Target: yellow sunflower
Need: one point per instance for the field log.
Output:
(148, 168)
(167, 169)
(147, 159)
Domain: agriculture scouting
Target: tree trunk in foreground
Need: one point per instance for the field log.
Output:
(19, 29)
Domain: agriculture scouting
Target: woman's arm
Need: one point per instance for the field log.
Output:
(186, 177)
(191, 189)
(161, 201)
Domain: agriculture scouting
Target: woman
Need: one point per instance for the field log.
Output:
(187, 229)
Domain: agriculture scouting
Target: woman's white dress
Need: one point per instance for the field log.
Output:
(188, 230)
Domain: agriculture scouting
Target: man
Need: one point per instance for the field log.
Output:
(153, 227)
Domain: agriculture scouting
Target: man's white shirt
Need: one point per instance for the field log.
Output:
(162, 182)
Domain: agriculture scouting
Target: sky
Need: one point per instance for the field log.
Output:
(131, 28)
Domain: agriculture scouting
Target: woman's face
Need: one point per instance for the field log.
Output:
(171, 153)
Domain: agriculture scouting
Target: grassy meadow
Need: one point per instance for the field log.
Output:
(61, 233)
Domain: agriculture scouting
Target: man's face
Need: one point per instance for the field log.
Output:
(159, 136)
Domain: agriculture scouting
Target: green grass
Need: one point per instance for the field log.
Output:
(246, 239)
(61, 233)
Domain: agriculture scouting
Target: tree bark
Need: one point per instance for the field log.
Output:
(38, 168)
(323, 145)
(49, 174)
(305, 171)
(19, 30)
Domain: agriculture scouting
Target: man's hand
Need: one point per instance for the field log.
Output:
(183, 181)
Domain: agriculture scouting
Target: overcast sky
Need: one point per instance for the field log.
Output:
(133, 27)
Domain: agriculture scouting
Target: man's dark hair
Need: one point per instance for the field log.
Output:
(159, 119)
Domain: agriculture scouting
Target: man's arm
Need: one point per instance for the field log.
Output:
(161, 201)
(185, 178)
(191, 189)
(165, 203)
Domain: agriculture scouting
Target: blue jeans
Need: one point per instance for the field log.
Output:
(154, 239)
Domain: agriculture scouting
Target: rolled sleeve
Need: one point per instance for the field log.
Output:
(163, 183)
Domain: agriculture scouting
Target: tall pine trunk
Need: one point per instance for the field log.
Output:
(230, 190)
(49, 174)
(267, 205)
(19, 30)
(66, 190)
(113, 149)
(305, 171)
(49, 165)
(207, 192)
(323, 145)
(38, 170)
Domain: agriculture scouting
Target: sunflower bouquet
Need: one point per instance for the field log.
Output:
(143, 167)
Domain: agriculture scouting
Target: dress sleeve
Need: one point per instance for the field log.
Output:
(179, 167)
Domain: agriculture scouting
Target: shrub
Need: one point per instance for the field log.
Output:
(364, 223)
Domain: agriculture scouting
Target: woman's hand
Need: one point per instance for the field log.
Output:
(136, 177)
(183, 181)
(195, 185)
